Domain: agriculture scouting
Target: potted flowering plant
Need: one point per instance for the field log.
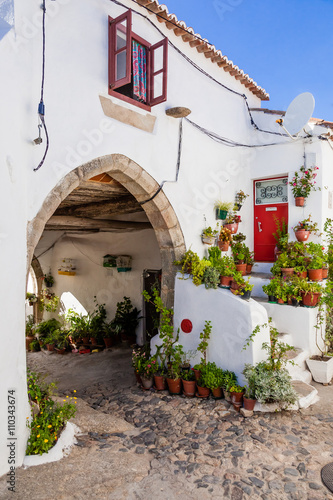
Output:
(149, 368)
(232, 221)
(225, 238)
(208, 235)
(304, 228)
(139, 358)
(239, 199)
(227, 268)
(303, 183)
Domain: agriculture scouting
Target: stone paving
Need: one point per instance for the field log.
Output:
(213, 451)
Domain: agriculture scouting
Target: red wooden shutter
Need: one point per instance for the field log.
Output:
(120, 50)
(158, 72)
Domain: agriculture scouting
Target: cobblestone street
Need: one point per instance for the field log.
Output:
(146, 444)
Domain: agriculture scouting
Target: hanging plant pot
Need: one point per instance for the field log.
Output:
(302, 235)
(225, 281)
(232, 227)
(223, 245)
(299, 201)
(287, 271)
(159, 383)
(310, 299)
(221, 214)
(189, 388)
(241, 268)
(174, 385)
(315, 274)
(208, 240)
(324, 273)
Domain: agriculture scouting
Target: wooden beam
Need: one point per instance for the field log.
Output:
(119, 205)
(64, 223)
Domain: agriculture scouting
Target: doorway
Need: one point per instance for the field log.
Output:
(270, 203)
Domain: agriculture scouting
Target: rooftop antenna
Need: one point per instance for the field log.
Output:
(297, 115)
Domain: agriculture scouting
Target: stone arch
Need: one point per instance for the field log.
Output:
(142, 186)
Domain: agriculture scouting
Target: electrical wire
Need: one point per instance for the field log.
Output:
(41, 107)
(180, 141)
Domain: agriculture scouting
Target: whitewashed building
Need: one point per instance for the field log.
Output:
(112, 70)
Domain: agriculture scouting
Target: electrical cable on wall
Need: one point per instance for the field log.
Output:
(41, 106)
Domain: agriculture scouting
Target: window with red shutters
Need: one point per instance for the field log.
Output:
(137, 70)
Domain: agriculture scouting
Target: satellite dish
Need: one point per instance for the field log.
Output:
(298, 113)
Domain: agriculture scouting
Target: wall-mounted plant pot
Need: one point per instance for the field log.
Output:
(48, 284)
(299, 201)
(321, 369)
(221, 214)
(310, 299)
(302, 235)
(232, 227)
(287, 271)
(225, 281)
(208, 240)
(241, 268)
(223, 245)
(315, 274)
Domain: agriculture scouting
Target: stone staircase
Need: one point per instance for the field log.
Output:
(293, 322)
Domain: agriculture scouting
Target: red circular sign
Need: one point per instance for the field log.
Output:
(186, 325)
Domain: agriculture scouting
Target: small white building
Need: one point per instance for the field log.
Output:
(120, 175)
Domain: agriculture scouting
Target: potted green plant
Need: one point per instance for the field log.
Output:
(227, 268)
(174, 370)
(303, 183)
(34, 345)
(310, 292)
(229, 380)
(222, 208)
(240, 197)
(286, 264)
(213, 379)
(211, 277)
(188, 381)
(139, 358)
(149, 368)
(203, 390)
(246, 289)
(281, 235)
(29, 331)
(249, 260)
(45, 329)
(126, 320)
(270, 289)
(249, 399)
(208, 235)
(97, 323)
(239, 252)
(236, 394)
(32, 298)
(78, 327)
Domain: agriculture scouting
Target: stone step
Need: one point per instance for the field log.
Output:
(259, 280)
(262, 267)
(307, 396)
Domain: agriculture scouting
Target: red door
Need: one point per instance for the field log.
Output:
(270, 202)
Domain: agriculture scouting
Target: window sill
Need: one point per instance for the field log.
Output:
(130, 117)
(129, 100)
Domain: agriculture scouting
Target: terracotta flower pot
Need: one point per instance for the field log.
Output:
(203, 391)
(315, 274)
(147, 382)
(225, 280)
(174, 385)
(138, 377)
(248, 403)
(108, 342)
(299, 201)
(249, 268)
(234, 285)
(28, 340)
(93, 341)
(217, 393)
(237, 397)
(241, 268)
(189, 387)
(302, 235)
(287, 271)
(310, 299)
(325, 272)
(232, 227)
(50, 347)
(197, 374)
(85, 340)
(302, 274)
(159, 382)
(223, 245)
(280, 301)
(61, 351)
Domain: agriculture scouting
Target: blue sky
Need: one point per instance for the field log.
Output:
(286, 46)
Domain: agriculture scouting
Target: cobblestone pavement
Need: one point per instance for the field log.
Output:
(208, 446)
(173, 447)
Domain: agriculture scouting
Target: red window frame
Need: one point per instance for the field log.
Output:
(151, 74)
